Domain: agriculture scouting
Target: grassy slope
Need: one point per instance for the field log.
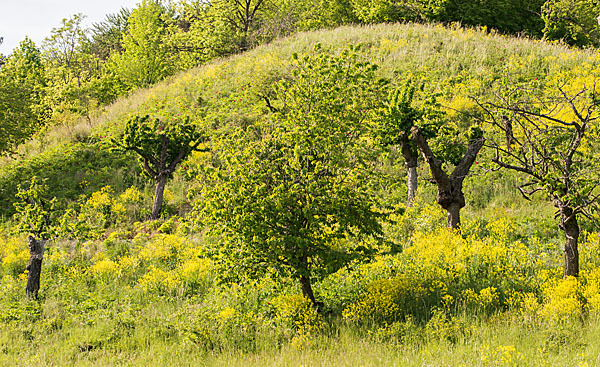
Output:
(458, 62)
(104, 317)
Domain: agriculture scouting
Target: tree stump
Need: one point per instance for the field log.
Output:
(36, 250)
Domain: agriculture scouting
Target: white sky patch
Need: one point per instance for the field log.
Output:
(36, 18)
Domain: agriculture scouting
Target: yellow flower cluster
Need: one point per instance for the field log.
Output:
(14, 255)
(299, 313)
(563, 300)
(502, 355)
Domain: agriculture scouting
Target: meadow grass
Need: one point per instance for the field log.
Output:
(161, 293)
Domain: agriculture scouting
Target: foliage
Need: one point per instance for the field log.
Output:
(35, 212)
(507, 16)
(160, 148)
(294, 192)
(145, 59)
(136, 293)
(572, 21)
(394, 10)
(23, 110)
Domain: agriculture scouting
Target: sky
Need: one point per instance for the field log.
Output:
(36, 18)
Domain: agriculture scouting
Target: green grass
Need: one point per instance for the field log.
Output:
(129, 298)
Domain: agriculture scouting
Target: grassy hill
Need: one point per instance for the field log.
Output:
(460, 63)
(139, 293)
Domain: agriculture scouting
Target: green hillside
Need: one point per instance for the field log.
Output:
(119, 289)
(460, 63)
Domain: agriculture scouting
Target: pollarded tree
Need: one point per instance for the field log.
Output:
(449, 147)
(399, 115)
(161, 147)
(35, 215)
(295, 190)
(551, 140)
(423, 127)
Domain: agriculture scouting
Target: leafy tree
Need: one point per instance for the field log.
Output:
(161, 147)
(23, 110)
(549, 136)
(507, 16)
(106, 36)
(295, 190)
(145, 59)
(377, 11)
(399, 115)
(35, 213)
(63, 52)
(236, 20)
(574, 21)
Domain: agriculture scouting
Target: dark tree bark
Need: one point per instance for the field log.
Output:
(450, 195)
(36, 250)
(160, 177)
(569, 224)
(307, 289)
(161, 181)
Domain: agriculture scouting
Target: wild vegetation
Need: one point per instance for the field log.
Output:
(299, 203)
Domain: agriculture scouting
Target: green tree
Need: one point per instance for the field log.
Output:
(106, 36)
(507, 16)
(160, 147)
(35, 214)
(377, 11)
(398, 117)
(574, 21)
(145, 59)
(23, 110)
(295, 190)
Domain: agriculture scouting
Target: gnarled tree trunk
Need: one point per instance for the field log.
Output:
(36, 251)
(161, 181)
(450, 195)
(569, 224)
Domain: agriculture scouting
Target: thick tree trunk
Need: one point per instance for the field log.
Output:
(36, 251)
(454, 215)
(450, 195)
(411, 181)
(161, 181)
(307, 289)
(571, 228)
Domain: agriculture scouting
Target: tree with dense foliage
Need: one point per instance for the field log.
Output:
(398, 117)
(549, 139)
(35, 213)
(145, 59)
(294, 190)
(23, 109)
(106, 36)
(507, 16)
(161, 147)
(573, 21)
